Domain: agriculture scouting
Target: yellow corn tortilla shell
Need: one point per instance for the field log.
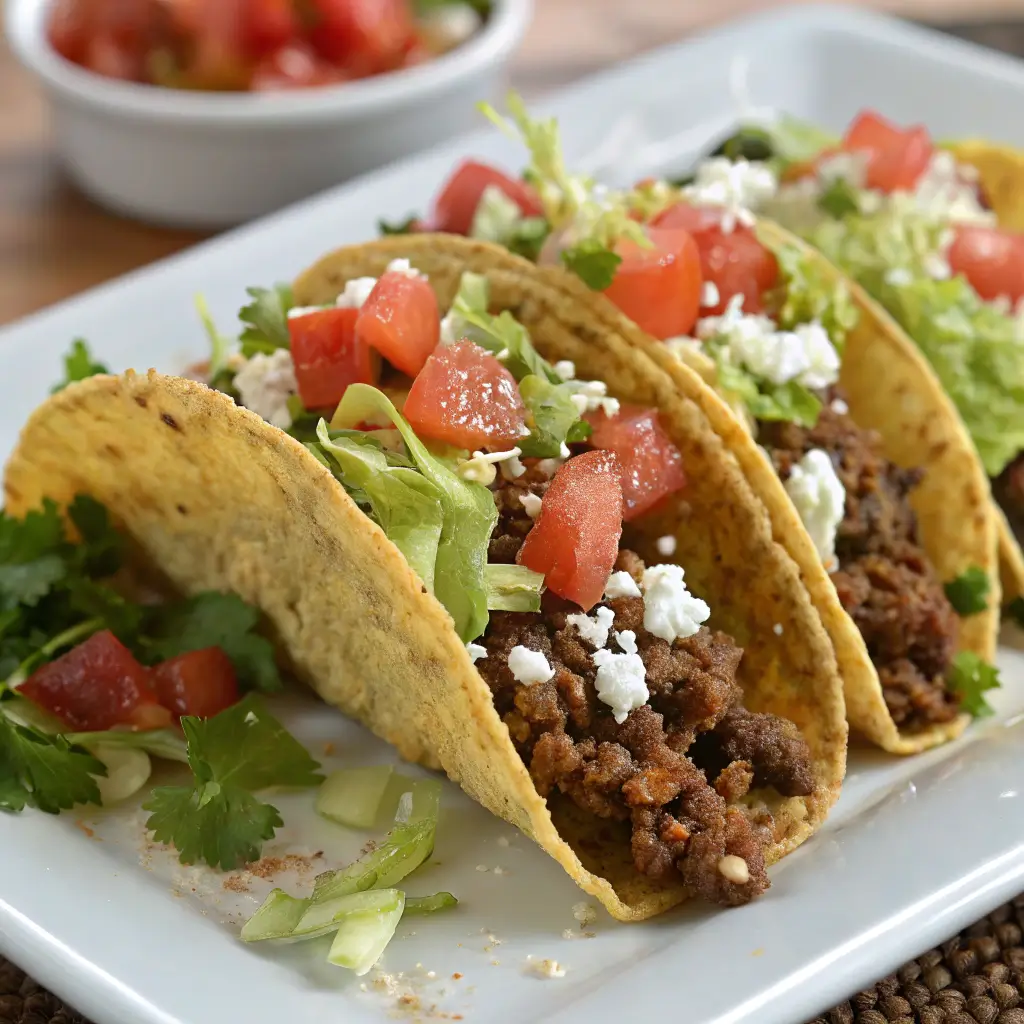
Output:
(1001, 170)
(217, 498)
(891, 388)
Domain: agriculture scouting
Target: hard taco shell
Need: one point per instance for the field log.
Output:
(891, 388)
(217, 498)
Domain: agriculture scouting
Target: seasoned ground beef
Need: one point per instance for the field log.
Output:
(884, 579)
(1008, 488)
(645, 771)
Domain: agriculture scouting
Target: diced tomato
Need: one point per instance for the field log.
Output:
(735, 262)
(365, 36)
(69, 27)
(295, 66)
(328, 356)
(401, 321)
(456, 203)
(651, 465)
(991, 259)
(95, 686)
(896, 157)
(201, 683)
(575, 539)
(269, 24)
(464, 397)
(658, 288)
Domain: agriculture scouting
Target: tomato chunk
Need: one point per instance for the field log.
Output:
(575, 539)
(95, 686)
(896, 158)
(658, 288)
(464, 397)
(366, 36)
(268, 24)
(400, 320)
(201, 683)
(295, 66)
(651, 465)
(328, 356)
(455, 206)
(991, 259)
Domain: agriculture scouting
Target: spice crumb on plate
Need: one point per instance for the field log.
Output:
(545, 968)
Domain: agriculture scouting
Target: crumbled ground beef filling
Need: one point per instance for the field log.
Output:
(884, 579)
(1009, 491)
(674, 766)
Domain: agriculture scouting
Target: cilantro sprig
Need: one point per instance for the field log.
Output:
(218, 820)
(265, 320)
(972, 677)
(968, 592)
(78, 365)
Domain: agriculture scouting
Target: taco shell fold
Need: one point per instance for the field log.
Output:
(218, 499)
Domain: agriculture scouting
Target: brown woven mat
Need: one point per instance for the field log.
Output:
(976, 978)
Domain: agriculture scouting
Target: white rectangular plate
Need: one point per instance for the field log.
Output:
(915, 849)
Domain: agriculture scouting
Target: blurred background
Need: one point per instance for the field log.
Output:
(54, 242)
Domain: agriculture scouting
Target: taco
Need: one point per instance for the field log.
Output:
(874, 459)
(453, 575)
(933, 233)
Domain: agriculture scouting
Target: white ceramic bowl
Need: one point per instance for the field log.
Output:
(215, 159)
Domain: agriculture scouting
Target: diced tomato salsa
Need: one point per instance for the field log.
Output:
(463, 396)
(328, 356)
(95, 686)
(201, 683)
(575, 540)
(239, 45)
(400, 319)
(650, 464)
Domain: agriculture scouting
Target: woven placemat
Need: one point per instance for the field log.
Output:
(976, 978)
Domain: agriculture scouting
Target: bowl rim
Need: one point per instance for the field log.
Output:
(24, 24)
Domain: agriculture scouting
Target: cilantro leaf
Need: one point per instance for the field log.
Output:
(221, 827)
(78, 364)
(266, 320)
(403, 227)
(749, 143)
(970, 677)
(968, 593)
(528, 238)
(44, 771)
(593, 263)
(214, 619)
(839, 199)
(101, 545)
(218, 820)
(552, 416)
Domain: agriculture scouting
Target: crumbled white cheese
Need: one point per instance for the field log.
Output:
(479, 468)
(450, 25)
(403, 266)
(476, 651)
(265, 383)
(753, 341)
(819, 497)
(565, 368)
(297, 311)
(849, 167)
(621, 678)
(528, 666)
(899, 277)
(593, 630)
(666, 545)
(734, 869)
(563, 451)
(549, 467)
(584, 913)
(839, 407)
(945, 193)
(545, 968)
(511, 468)
(736, 187)
(531, 504)
(496, 216)
(670, 610)
(356, 292)
(709, 294)
(621, 584)
(590, 395)
(777, 629)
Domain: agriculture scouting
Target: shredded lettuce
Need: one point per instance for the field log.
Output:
(790, 402)
(513, 588)
(468, 515)
(352, 796)
(553, 418)
(810, 295)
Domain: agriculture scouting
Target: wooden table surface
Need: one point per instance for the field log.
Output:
(53, 242)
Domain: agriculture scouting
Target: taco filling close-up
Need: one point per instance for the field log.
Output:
(570, 601)
(870, 452)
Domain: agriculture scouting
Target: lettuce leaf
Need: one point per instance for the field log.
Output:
(790, 402)
(810, 295)
(513, 588)
(468, 515)
(553, 418)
